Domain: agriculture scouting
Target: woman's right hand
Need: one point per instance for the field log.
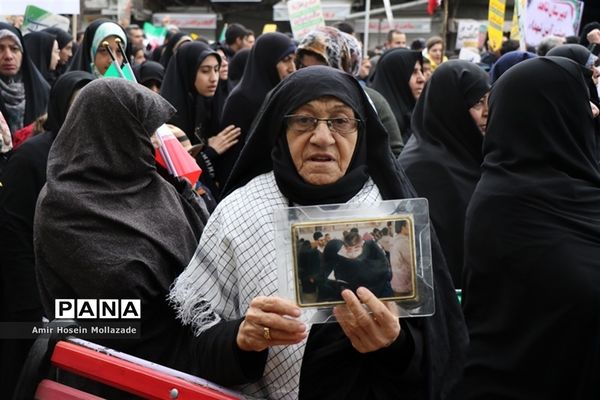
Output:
(270, 321)
(225, 139)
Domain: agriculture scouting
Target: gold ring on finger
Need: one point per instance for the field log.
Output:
(267, 333)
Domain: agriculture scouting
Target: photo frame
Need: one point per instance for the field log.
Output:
(331, 256)
(385, 247)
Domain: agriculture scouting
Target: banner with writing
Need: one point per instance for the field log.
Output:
(305, 16)
(552, 18)
(467, 33)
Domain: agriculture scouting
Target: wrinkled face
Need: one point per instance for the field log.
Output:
(103, 60)
(398, 40)
(66, 53)
(10, 57)
(224, 71)
(416, 81)
(54, 57)
(248, 42)
(322, 156)
(207, 77)
(435, 53)
(286, 66)
(479, 112)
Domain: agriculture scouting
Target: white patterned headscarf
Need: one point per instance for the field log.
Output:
(338, 49)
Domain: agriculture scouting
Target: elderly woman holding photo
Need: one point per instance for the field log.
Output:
(314, 144)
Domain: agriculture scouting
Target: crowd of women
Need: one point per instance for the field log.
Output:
(508, 161)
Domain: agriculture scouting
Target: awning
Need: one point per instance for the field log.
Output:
(332, 11)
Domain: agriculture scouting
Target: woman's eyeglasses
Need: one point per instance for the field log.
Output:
(305, 123)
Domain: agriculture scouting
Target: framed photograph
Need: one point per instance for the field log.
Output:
(332, 255)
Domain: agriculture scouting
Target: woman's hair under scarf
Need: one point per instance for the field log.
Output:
(35, 87)
(107, 224)
(39, 46)
(391, 77)
(83, 60)
(60, 97)
(179, 85)
(446, 147)
(508, 60)
(444, 334)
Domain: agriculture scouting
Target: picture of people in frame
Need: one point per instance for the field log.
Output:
(331, 256)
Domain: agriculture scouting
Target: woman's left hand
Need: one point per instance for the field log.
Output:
(367, 331)
(227, 138)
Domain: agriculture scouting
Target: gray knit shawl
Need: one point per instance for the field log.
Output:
(107, 225)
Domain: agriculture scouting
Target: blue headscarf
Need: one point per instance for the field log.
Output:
(508, 60)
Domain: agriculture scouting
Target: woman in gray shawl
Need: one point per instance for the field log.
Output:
(109, 226)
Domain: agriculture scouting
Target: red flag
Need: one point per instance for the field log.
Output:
(173, 156)
(433, 5)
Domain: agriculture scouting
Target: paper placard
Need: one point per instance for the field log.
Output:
(467, 33)
(552, 18)
(305, 16)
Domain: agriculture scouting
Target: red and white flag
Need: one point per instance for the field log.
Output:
(171, 155)
(433, 5)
